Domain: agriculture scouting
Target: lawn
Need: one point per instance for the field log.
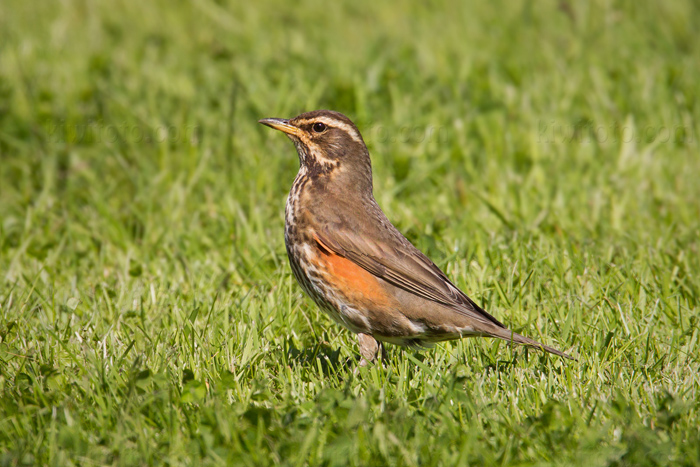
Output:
(545, 154)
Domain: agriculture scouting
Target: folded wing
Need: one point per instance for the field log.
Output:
(403, 266)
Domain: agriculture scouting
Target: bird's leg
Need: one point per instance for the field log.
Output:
(369, 348)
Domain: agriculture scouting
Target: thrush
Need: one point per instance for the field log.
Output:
(354, 263)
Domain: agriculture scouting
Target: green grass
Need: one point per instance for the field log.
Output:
(545, 154)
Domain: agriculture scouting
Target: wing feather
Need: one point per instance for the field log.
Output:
(403, 266)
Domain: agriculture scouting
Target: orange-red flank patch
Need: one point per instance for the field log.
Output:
(352, 280)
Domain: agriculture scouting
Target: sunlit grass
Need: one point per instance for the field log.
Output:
(546, 156)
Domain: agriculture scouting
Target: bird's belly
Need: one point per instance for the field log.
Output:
(317, 280)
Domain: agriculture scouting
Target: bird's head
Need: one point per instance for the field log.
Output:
(329, 146)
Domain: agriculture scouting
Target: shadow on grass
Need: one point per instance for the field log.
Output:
(321, 355)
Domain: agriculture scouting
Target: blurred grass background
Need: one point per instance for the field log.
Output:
(545, 154)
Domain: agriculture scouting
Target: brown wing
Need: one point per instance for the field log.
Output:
(396, 261)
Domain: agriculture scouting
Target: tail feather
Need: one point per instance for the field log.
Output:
(510, 336)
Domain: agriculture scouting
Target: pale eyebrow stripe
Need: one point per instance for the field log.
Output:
(354, 134)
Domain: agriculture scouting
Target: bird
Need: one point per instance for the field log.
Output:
(351, 260)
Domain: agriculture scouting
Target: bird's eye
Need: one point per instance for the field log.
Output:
(319, 127)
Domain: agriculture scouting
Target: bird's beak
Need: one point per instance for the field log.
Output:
(281, 124)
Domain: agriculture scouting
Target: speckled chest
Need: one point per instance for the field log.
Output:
(303, 252)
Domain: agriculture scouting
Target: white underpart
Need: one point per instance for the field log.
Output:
(417, 327)
(353, 314)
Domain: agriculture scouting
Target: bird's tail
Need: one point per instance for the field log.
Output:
(510, 336)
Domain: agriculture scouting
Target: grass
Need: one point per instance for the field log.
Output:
(546, 155)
